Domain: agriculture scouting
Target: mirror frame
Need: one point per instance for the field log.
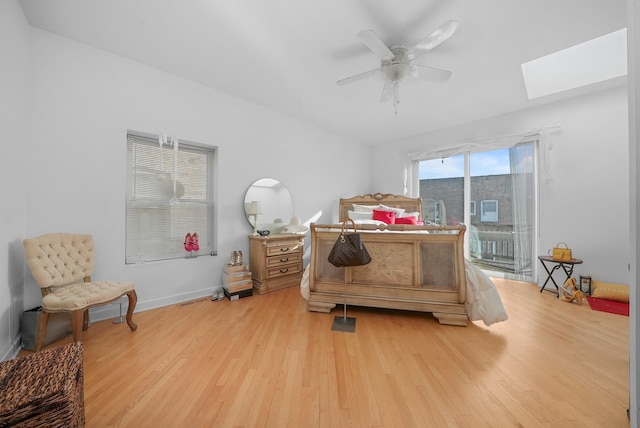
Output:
(276, 204)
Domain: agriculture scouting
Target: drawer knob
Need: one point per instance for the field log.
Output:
(284, 260)
(284, 270)
(284, 249)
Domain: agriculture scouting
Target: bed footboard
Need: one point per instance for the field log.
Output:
(417, 268)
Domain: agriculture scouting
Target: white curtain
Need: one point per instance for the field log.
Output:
(411, 178)
(470, 147)
(521, 157)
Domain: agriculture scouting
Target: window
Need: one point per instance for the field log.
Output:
(493, 192)
(489, 211)
(169, 193)
(437, 216)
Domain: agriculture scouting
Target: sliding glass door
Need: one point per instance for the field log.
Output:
(499, 207)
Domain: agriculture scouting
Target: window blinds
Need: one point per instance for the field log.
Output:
(156, 228)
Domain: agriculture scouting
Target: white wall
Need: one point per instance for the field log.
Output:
(14, 101)
(586, 203)
(65, 168)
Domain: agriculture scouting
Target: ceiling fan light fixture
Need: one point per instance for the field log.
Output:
(396, 68)
(396, 72)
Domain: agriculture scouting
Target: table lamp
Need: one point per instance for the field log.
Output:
(253, 210)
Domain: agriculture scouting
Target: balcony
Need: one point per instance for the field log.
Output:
(494, 250)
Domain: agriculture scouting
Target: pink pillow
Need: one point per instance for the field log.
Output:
(407, 220)
(385, 216)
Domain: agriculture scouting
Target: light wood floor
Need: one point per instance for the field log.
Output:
(265, 361)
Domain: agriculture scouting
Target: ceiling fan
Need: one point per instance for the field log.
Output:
(397, 61)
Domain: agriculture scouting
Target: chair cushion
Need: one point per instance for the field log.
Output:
(85, 294)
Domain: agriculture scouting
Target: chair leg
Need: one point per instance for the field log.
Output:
(42, 330)
(85, 320)
(133, 300)
(76, 325)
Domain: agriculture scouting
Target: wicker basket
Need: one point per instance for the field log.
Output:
(43, 389)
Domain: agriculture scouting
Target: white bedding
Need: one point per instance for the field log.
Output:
(483, 300)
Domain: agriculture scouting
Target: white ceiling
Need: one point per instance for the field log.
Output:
(288, 54)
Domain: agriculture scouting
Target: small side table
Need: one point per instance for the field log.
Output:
(566, 265)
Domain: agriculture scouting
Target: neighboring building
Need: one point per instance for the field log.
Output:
(491, 231)
(491, 201)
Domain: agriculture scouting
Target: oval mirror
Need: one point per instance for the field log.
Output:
(268, 202)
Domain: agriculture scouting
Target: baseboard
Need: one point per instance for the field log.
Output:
(112, 310)
(12, 351)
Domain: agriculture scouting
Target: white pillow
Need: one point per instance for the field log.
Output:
(365, 208)
(374, 222)
(357, 215)
(416, 215)
(399, 211)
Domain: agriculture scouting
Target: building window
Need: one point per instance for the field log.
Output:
(437, 213)
(472, 208)
(489, 211)
(170, 192)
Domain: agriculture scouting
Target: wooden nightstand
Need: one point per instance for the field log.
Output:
(275, 261)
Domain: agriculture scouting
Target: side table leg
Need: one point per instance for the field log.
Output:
(550, 276)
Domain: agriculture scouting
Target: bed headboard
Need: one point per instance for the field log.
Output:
(397, 201)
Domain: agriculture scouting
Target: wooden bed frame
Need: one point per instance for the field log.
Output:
(418, 268)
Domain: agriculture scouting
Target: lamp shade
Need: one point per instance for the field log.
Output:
(254, 208)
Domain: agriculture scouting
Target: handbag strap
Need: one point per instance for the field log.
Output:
(344, 226)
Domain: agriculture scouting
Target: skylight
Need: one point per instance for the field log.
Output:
(594, 61)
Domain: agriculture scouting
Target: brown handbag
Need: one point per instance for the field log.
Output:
(561, 253)
(349, 249)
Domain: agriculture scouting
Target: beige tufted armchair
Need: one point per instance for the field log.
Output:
(62, 265)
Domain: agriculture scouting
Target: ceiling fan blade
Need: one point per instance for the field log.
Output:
(441, 34)
(429, 73)
(373, 42)
(357, 77)
(387, 91)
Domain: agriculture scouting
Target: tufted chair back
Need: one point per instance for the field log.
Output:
(58, 259)
(62, 265)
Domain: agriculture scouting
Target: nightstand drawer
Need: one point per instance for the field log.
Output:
(283, 270)
(283, 259)
(276, 261)
(287, 247)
